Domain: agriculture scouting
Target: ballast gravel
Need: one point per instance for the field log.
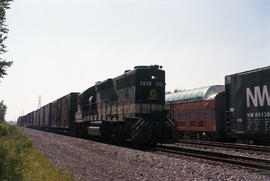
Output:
(90, 160)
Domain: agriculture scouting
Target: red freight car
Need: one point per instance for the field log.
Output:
(198, 113)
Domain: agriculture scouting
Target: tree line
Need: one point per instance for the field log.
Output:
(4, 64)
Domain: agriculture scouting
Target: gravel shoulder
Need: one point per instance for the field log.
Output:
(90, 160)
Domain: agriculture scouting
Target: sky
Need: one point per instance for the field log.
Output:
(66, 46)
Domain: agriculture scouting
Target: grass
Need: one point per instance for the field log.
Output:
(21, 160)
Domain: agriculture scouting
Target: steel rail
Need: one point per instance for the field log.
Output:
(214, 156)
(227, 145)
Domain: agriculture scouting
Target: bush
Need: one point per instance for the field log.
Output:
(21, 160)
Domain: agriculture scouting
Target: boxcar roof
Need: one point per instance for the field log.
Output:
(250, 71)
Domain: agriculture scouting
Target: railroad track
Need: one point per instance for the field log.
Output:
(214, 156)
(227, 145)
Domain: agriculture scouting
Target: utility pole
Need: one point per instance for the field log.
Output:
(39, 101)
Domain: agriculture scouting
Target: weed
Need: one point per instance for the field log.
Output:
(21, 160)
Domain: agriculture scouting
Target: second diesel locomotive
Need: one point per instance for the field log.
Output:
(128, 107)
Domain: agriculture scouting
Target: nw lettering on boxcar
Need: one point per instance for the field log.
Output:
(258, 98)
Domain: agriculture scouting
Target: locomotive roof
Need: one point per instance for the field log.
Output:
(202, 93)
(129, 72)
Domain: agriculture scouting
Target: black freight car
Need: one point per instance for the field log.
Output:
(42, 117)
(61, 113)
(47, 116)
(31, 119)
(248, 105)
(20, 121)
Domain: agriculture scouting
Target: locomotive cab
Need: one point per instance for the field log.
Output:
(150, 90)
(151, 120)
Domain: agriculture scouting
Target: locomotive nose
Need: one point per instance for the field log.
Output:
(155, 128)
